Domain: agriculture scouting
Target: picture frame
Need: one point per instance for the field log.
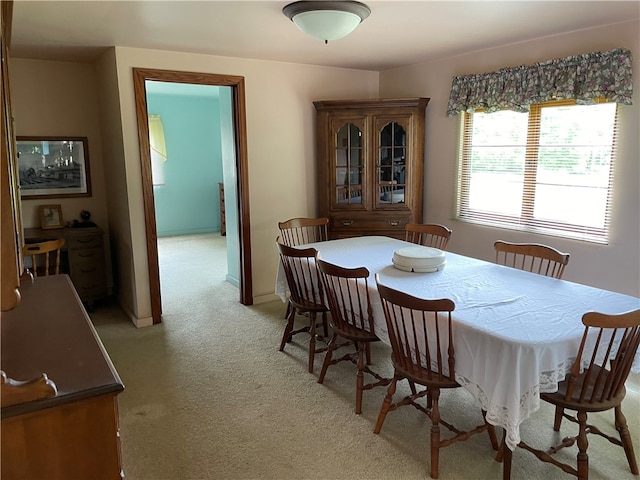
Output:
(53, 167)
(51, 217)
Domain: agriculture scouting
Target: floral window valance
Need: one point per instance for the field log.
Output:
(580, 77)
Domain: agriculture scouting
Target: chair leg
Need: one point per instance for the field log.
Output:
(583, 443)
(558, 418)
(362, 353)
(312, 340)
(325, 325)
(327, 357)
(286, 337)
(625, 438)
(412, 385)
(435, 433)
(386, 404)
(288, 310)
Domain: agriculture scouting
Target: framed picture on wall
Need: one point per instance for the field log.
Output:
(53, 167)
(51, 216)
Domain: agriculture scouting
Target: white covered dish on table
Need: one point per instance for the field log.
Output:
(419, 259)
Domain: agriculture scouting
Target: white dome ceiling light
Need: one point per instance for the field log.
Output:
(327, 20)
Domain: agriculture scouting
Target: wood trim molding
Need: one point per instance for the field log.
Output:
(10, 216)
(140, 75)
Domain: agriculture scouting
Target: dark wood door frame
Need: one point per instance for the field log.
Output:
(140, 75)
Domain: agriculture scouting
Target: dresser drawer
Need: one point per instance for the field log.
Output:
(89, 279)
(93, 240)
(86, 255)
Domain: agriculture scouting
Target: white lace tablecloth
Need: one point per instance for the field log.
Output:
(516, 333)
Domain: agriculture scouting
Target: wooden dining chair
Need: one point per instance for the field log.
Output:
(595, 384)
(306, 296)
(45, 251)
(532, 257)
(299, 231)
(351, 319)
(428, 234)
(421, 336)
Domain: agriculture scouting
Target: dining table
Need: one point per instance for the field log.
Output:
(516, 333)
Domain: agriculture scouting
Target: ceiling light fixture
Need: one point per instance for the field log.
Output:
(327, 20)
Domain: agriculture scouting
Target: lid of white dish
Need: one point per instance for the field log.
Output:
(419, 259)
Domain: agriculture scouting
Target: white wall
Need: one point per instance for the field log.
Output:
(61, 99)
(281, 147)
(58, 99)
(615, 266)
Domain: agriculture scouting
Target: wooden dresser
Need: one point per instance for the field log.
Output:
(85, 258)
(73, 434)
(223, 216)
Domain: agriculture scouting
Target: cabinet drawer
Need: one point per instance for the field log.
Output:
(89, 279)
(86, 255)
(84, 241)
(369, 224)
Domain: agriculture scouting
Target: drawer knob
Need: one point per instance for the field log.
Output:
(394, 223)
(346, 223)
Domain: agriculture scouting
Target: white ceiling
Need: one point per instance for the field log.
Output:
(396, 33)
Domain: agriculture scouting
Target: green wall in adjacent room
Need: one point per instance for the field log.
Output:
(188, 202)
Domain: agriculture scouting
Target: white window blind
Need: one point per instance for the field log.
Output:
(546, 171)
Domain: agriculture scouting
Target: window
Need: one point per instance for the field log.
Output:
(546, 171)
(158, 149)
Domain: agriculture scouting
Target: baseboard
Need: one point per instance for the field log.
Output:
(188, 231)
(265, 298)
(138, 322)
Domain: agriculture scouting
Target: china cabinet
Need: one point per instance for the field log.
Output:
(370, 156)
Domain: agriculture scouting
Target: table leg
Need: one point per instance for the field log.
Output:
(504, 455)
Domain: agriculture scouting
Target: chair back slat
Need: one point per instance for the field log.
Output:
(347, 291)
(607, 350)
(420, 333)
(532, 257)
(301, 273)
(44, 250)
(428, 234)
(301, 231)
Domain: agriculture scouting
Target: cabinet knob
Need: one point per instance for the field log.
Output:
(394, 223)
(346, 223)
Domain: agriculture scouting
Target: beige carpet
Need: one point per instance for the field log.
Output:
(209, 396)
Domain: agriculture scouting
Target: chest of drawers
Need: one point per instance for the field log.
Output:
(85, 247)
(223, 221)
(84, 260)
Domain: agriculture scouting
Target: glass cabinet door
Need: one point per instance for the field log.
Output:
(392, 164)
(349, 165)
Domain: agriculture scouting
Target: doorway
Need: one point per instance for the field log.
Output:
(241, 175)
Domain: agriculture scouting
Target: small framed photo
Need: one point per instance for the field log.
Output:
(51, 216)
(53, 167)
